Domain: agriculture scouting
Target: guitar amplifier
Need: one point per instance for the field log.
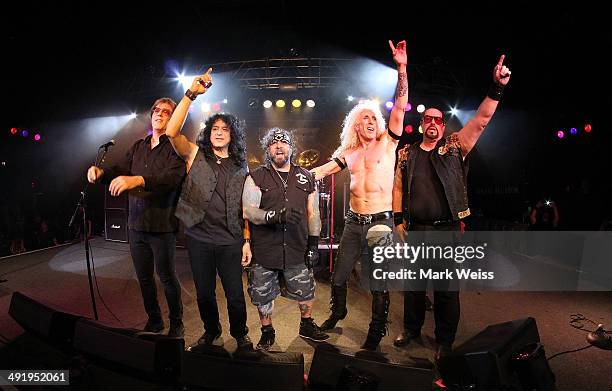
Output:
(116, 211)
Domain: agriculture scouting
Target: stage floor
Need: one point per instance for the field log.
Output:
(58, 277)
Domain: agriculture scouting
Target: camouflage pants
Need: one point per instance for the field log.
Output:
(295, 283)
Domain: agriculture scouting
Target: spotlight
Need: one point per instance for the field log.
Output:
(37, 137)
(13, 130)
(253, 103)
(225, 101)
(408, 107)
(408, 129)
(25, 133)
(574, 131)
(389, 105)
(133, 115)
(350, 98)
(454, 111)
(280, 103)
(587, 128)
(202, 125)
(420, 108)
(560, 134)
(296, 103)
(267, 104)
(205, 107)
(216, 106)
(310, 103)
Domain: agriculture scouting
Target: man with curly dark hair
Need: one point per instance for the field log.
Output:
(210, 206)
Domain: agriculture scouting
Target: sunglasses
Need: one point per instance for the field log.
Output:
(428, 118)
(158, 110)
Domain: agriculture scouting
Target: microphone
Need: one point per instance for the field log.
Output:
(108, 144)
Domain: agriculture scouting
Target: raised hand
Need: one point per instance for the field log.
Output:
(199, 82)
(399, 52)
(501, 73)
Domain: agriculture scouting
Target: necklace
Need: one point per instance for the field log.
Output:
(281, 178)
(219, 158)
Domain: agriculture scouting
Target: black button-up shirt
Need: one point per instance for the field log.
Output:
(152, 207)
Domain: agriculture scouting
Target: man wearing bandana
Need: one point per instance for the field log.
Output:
(276, 198)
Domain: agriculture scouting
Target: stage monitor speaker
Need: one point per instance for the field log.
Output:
(332, 367)
(146, 355)
(119, 202)
(116, 225)
(214, 368)
(54, 326)
(484, 362)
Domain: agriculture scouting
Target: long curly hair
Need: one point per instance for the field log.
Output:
(237, 146)
(348, 137)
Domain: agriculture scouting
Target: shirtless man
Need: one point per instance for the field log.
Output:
(367, 148)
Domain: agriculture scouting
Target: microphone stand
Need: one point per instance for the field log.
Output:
(82, 205)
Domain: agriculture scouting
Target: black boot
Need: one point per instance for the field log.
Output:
(338, 307)
(378, 325)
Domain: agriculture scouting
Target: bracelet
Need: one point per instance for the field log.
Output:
(495, 91)
(191, 95)
(247, 240)
(398, 218)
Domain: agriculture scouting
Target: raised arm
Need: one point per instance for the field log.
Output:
(472, 130)
(183, 147)
(396, 118)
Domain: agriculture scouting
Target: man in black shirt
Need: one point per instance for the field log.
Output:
(430, 194)
(152, 173)
(275, 199)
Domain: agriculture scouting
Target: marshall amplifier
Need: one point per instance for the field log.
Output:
(116, 217)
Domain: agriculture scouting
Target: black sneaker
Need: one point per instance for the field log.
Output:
(176, 330)
(405, 337)
(154, 325)
(267, 338)
(210, 339)
(310, 330)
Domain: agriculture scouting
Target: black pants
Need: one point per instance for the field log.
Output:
(206, 261)
(446, 302)
(151, 250)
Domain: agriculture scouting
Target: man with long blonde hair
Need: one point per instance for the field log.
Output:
(367, 149)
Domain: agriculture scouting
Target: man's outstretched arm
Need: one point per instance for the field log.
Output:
(396, 118)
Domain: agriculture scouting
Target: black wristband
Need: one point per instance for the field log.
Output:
(191, 95)
(393, 135)
(495, 91)
(398, 218)
(313, 241)
(339, 163)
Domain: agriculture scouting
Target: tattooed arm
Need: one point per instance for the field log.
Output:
(396, 119)
(251, 198)
(314, 216)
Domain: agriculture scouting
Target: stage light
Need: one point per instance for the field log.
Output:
(13, 130)
(587, 128)
(205, 107)
(420, 129)
(560, 134)
(408, 129)
(267, 104)
(296, 103)
(280, 103)
(225, 101)
(253, 103)
(133, 115)
(408, 107)
(574, 131)
(310, 103)
(216, 106)
(25, 133)
(37, 137)
(350, 98)
(420, 108)
(202, 125)
(376, 101)
(454, 111)
(389, 105)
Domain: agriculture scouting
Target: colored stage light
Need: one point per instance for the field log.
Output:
(420, 108)
(310, 103)
(37, 137)
(408, 129)
(587, 128)
(296, 103)
(389, 105)
(574, 131)
(408, 107)
(267, 104)
(560, 134)
(280, 103)
(13, 130)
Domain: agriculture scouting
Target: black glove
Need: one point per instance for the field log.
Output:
(284, 216)
(311, 258)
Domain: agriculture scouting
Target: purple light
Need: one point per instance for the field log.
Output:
(149, 132)
(408, 106)
(25, 133)
(389, 105)
(560, 134)
(574, 131)
(37, 137)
